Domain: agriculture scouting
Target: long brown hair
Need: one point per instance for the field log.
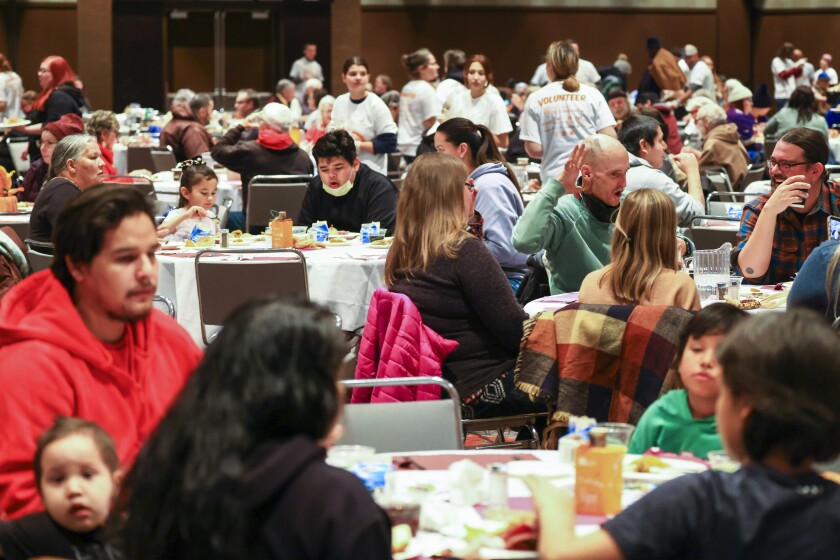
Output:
(479, 140)
(563, 59)
(644, 244)
(430, 216)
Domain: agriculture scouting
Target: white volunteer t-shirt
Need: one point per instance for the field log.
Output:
(587, 73)
(701, 76)
(365, 121)
(782, 87)
(489, 110)
(558, 120)
(417, 104)
(448, 88)
(11, 90)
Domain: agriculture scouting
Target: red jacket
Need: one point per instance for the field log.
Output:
(51, 364)
(396, 343)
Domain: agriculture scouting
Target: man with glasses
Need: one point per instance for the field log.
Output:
(781, 228)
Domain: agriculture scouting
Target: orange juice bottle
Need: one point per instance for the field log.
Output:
(598, 477)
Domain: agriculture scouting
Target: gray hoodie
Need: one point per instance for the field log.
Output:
(500, 204)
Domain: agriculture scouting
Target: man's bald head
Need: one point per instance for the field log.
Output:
(599, 145)
(605, 164)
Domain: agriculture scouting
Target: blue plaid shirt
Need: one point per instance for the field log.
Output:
(793, 239)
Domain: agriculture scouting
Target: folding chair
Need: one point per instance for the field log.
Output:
(274, 192)
(40, 254)
(163, 160)
(755, 172)
(498, 425)
(139, 157)
(727, 208)
(166, 304)
(223, 285)
(707, 236)
(141, 184)
(405, 426)
(17, 144)
(720, 179)
(223, 212)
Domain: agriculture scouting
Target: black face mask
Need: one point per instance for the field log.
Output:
(599, 209)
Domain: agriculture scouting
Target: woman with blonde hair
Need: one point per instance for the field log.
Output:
(458, 286)
(562, 114)
(419, 107)
(643, 270)
(104, 126)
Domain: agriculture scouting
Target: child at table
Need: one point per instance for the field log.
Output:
(77, 473)
(197, 196)
(684, 420)
(778, 413)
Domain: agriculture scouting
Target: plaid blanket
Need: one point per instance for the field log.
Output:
(609, 362)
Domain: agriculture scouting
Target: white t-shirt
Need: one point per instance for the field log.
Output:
(489, 110)
(587, 74)
(184, 229)
(700, 77)
(807, 77)
(303, 69)
(540, 77)
(447, 89)
(558, 120)
(365, 121)
(11, 90)
(782, 87)
(417, 104)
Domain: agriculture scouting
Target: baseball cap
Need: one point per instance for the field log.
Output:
(690, 50)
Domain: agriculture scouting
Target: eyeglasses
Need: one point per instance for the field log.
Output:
(43, 71)
(784, 165)
(470, 184)
(41, 143)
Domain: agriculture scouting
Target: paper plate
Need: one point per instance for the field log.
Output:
(675, 469)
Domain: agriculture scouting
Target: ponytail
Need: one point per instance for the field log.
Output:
(562, 60)
(479, 140)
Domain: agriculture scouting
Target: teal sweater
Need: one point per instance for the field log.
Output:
(668, 425)
(575, 242)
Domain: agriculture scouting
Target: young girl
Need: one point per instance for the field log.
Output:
(77, 473)
(778, 413)
(198, 194)
(644, 258)
(684, 420)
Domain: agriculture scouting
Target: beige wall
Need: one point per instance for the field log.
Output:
(43, 32)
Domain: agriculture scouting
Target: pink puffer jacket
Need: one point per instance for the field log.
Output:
(395, 343)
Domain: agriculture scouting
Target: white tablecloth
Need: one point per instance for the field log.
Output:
(342, 278)
(18, 222)
(559, 301)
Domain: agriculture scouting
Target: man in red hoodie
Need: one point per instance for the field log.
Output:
(82, 339)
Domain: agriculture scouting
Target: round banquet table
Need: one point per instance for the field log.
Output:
(341, 278)
(18, 221)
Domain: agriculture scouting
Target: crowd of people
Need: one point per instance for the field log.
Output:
(121, 420)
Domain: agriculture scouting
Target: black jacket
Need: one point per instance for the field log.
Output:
(373, 198)
(249, 158)
(309, 510)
